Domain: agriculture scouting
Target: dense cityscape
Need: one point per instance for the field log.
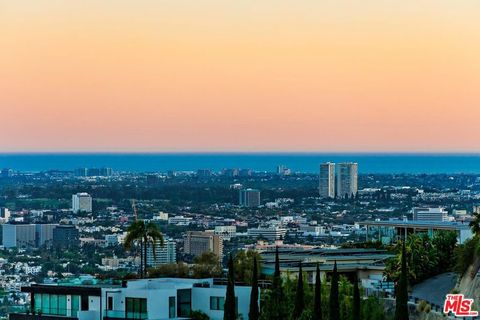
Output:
(94, 233)
(239, 160)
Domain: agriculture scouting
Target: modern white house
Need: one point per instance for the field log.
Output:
(145, 299)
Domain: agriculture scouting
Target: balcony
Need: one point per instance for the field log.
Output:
(29, 316)
(115, 315)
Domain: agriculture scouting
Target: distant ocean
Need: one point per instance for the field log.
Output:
(298, 162)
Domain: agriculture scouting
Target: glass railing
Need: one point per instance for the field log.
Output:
(28, 313)
(50, 311)
(125, 315)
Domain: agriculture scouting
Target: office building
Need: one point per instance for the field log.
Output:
(227, 232)
(19, 236)
(347, 179)
(44, 234)
(361, 264)
(429, 214)
(81, 202)
(145, 299)
(163, 254)
(66, 236)
(326, 184)
(180, 220)
(249, 198)
(27, 235)
(269, 233)
(197, 242)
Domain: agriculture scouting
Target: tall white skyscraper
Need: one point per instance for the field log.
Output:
(347, 179)
(81, 202)
(326, 183)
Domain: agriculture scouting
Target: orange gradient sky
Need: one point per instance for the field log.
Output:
(243, 75)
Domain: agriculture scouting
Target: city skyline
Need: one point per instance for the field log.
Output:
(247, 76)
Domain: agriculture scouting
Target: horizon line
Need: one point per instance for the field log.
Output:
(276, 152)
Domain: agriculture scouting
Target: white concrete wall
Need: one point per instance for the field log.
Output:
(201, 300)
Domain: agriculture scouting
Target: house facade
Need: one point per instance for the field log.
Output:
(145, 299)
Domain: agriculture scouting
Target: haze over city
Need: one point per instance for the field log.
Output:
(239, 76)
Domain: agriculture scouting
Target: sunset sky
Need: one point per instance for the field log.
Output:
(243, 75)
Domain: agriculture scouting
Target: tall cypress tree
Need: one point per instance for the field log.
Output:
(357, 312)
(334, 312)
(299, 295)
(229, 312)
(254, 312)
(317, 305)
(401, 307)
(276, 309)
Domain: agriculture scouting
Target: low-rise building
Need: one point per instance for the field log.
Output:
(269, 233)
(429, 214)
(180, 220)
(227, 232)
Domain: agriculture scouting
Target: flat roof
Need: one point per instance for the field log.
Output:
(447, 225)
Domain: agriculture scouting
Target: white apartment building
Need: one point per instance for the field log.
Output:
(81, 202)
(326, 182)
(163, 254)
(227, 232)
(347, 179)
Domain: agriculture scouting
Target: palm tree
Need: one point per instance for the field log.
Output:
(144, 234)
(475, 223)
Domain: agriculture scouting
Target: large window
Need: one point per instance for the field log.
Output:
(184, 302)
(110, 303)
(171, 307)
(136, 308)
(53, 304)
(75, 305)
(217, 303)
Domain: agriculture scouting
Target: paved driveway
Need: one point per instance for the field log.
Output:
(435, 288)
